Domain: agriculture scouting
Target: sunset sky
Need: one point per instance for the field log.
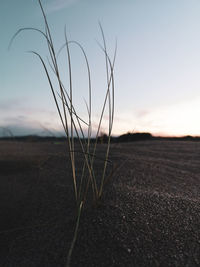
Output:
(157, 71)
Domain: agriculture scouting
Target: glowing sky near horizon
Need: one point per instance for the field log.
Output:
(157, 71)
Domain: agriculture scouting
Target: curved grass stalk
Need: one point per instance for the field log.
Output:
(105, 101)
(89, 108)
(109, 138)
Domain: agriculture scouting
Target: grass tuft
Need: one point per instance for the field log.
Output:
(72, 123)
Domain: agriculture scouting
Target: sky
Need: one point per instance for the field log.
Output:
(157, 68)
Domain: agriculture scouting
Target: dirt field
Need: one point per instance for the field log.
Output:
(149, 214)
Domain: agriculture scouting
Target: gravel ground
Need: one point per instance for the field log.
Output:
(149, 214)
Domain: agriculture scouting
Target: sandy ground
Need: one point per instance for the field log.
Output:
(149, 214)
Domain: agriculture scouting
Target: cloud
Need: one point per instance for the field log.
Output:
(8, 104)
(23, 125)
(17, 119)
(56, 5)
(141, 113)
